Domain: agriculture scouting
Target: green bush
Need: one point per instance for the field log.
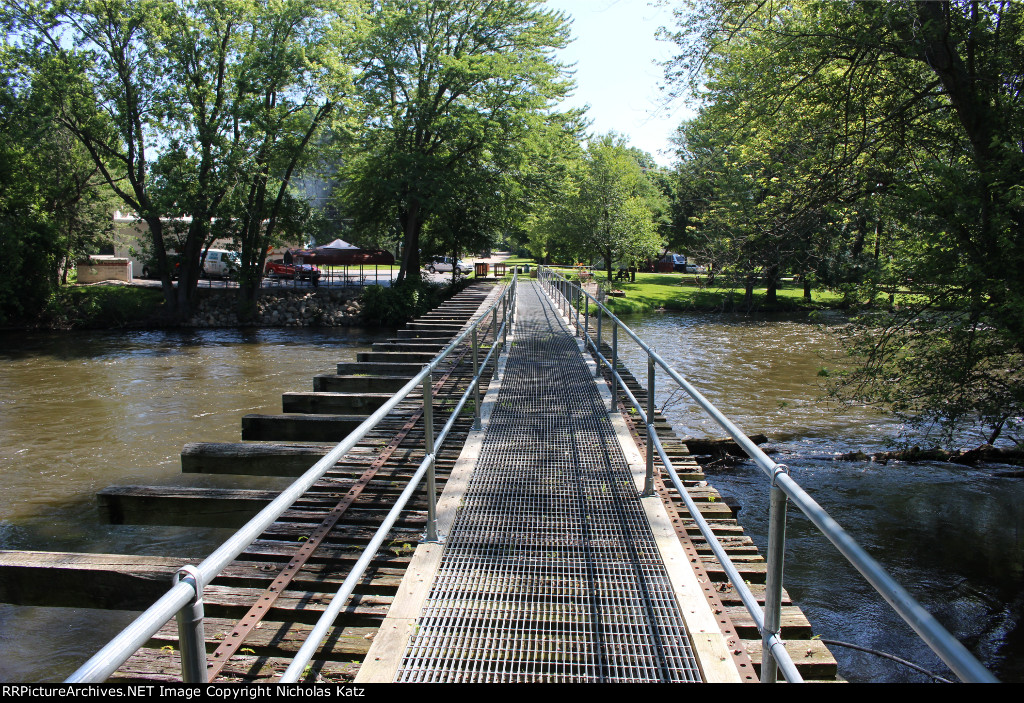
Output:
(103, 306)
(406, 300)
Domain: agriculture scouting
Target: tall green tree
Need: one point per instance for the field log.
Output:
(54, 206)
(449, 90)
(101, 74)
(291, 79)
(181, 105)
(617, 211)
(900, 125)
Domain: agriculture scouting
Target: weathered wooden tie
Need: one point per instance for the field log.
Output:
(339, 403)
(363, 383)
(812, 658)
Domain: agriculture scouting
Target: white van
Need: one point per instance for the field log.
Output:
(221, 263)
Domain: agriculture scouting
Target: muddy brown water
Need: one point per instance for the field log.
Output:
(952, 536)
(82, 411)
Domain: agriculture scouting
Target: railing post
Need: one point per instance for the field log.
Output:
(494, 331)
(428, 447)
(597, 371)
(649, 475)
(586, 322)
(615, 364)
(504, 322)
(191, 637)
(504, 317)
(576, 299)
(476, 382)
(773, 582)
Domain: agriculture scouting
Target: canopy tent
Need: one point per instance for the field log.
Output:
(338, 244)
(341, 253)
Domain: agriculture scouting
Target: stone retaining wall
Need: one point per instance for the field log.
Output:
(292, 308)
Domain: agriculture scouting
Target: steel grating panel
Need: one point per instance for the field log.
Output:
(551, 573)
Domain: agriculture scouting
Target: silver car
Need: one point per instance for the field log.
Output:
(446, 263)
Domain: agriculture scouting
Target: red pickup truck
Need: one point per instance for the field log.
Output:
(304, 272)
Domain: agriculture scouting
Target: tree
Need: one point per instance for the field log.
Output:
(181, 105)
(53, 204)
(102, 78)
(617, 208)
(290, 79)
(909, 119)
(449, 88)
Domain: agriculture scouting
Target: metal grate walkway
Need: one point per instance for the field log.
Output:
(550, 573)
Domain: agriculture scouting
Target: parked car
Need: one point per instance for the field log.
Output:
(677, 261)
(151, 270)
(221, 263)
(446, 263)
(304, 272)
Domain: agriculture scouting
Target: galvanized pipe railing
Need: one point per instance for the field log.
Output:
(184, 599)
(954, 654)
(326, 620)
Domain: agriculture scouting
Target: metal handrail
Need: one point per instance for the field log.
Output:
(185, 597)
(947, 647)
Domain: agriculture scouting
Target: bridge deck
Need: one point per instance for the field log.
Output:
(550, 570)
(385, 612)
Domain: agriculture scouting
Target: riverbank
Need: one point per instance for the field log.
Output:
(124, 306)
(112, 305)
(693, 293)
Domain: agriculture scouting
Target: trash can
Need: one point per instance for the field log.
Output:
(499, 270)
(482, 268)
(526, 268)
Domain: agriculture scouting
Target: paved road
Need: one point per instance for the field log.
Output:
(383, 278)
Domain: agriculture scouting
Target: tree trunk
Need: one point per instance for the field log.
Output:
(411, 225)
(772, 282)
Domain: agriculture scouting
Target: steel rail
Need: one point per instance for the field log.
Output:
(330, 614)
(106, 661)
(948, 648)
(746, 596)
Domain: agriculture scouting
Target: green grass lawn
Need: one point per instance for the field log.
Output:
(676, 291)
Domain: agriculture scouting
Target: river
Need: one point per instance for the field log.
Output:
(85, 410)
(953, 536)
(80, 411)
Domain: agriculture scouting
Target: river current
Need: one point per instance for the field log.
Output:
(85, 410)
(80, 411)
(952, 536)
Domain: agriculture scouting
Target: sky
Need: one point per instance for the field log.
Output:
(615, 52)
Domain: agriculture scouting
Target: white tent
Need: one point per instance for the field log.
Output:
(338, 244)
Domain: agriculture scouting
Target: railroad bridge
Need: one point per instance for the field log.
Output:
(507, 505)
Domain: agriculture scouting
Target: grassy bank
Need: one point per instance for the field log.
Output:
(689, 292)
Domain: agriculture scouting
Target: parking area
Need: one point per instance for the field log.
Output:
(335, 278)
